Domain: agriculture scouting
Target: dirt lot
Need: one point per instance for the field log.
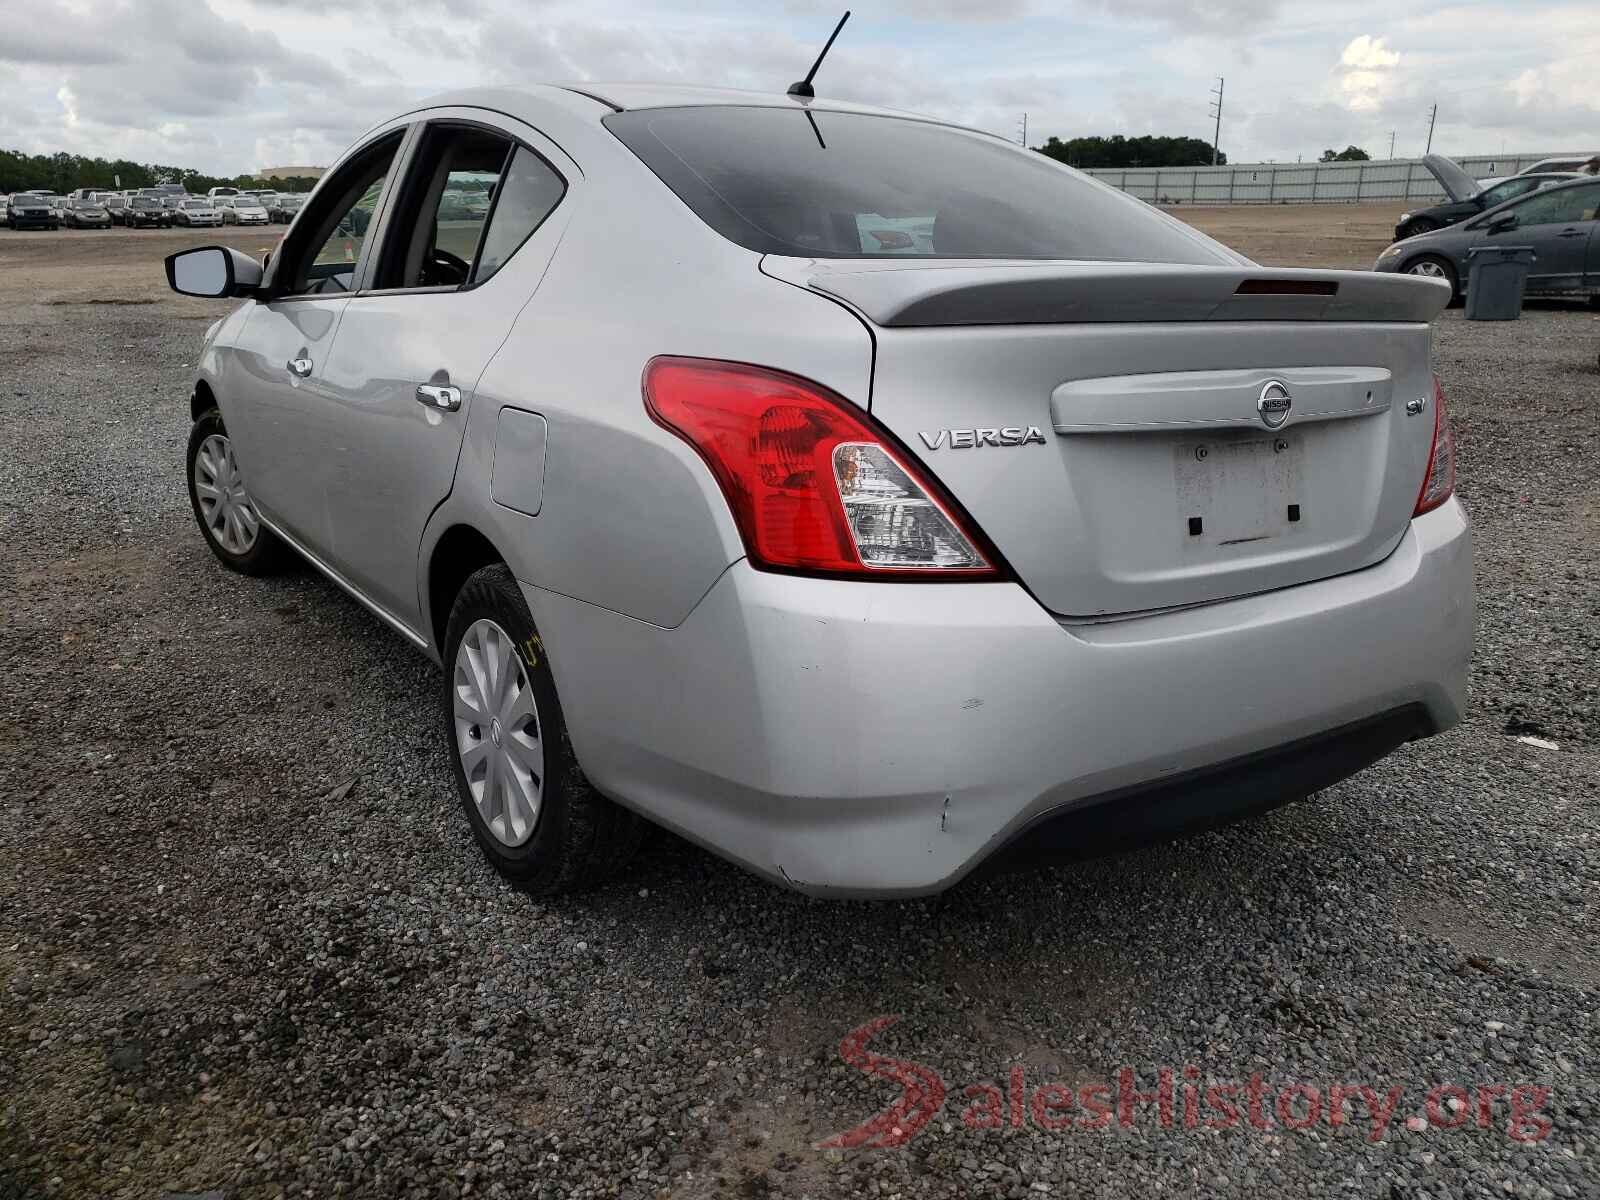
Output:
(1348, 236)
(246, 942)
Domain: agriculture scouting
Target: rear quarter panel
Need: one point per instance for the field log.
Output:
(631, 518)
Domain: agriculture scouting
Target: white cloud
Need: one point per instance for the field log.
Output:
(1367, 53)
(231, 85)
(1365, 73)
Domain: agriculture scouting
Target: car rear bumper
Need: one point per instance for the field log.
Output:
(885, 739)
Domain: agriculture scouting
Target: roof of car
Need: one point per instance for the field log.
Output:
(620, 97)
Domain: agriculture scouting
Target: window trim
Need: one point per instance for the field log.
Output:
(419, 132)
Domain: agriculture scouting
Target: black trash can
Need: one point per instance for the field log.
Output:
(1496, 276)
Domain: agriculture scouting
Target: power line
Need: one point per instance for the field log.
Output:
(1216, 137)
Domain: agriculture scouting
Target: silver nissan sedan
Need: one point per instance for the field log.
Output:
(862, 497)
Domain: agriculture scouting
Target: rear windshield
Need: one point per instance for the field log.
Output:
(850, 185)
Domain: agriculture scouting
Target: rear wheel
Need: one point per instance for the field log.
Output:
(222, 506)
(1431, 266)
(534, 814)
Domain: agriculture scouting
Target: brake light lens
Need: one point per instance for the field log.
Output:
(1440, 481)
(815, 487)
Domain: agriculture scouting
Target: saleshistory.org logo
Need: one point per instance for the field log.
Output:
(1178, 1096)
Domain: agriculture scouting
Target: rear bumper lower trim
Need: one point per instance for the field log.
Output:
(1210, 796)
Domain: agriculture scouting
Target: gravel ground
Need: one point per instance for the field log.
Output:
(247, 945)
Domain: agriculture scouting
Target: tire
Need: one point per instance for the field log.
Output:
(262, 553)
(575, 838)
(1432, 266)
(1421, 225)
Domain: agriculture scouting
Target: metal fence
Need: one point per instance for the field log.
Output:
(1303, 183)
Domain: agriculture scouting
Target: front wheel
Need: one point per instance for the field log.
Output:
(533, 812)
(222, 506)
(1431, 266)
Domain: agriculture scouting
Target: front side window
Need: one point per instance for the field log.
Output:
(852, 185)
(325, 261)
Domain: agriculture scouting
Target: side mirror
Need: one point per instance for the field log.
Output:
(213, 271)
(1503, 222)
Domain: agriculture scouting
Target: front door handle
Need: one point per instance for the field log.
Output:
(1574, 233)
(299, 366)
(445, 397)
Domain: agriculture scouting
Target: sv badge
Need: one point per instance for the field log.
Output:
(967, 439)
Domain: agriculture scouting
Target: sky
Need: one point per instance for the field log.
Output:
(229, 86)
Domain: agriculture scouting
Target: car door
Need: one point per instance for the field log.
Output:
(1558, 223)
(463, 247)
(274, 397)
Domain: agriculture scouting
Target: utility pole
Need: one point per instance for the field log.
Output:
(1024, 131)
(1433, 115)
(1216, 137)
(1391, 143)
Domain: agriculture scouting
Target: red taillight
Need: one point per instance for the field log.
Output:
(1440, 481)
(814, 485)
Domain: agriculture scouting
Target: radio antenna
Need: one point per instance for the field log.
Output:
(804, 89)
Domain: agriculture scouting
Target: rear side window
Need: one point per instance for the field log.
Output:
(473, 196)
(851, 185)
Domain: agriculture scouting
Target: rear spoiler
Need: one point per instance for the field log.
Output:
(895, 292)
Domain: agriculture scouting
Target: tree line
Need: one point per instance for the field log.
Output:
(62, 173)
(1094, 153)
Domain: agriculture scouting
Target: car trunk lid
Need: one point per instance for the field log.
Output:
(1136, 437)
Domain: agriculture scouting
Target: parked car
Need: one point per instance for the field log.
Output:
(1466, 197)
(27, 210)
(283, 211)
(242, 210)
(86, 214)
(214, 193)
(862, 568)
(149, 211)
(195, 211)
(1563, 163)
(1557, 221)
(116, 206)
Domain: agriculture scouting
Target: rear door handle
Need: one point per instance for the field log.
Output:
(1574, 233)
(299, 366)
(446, 397)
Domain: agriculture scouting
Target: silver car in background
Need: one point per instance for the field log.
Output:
(193, 211)
(862, 497)
(241, 210)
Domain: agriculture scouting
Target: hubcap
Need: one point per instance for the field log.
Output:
(224, 504)
(1431, 269)
(498, 737)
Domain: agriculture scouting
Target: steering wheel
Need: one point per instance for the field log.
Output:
(445, 269)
